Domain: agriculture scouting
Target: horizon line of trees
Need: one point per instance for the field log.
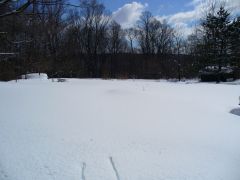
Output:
(84, 41)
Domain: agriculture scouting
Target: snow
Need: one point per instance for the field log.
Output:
(118, 130)
(41, 76)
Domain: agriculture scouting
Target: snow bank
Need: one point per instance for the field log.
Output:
(127, 130)
(41, 76)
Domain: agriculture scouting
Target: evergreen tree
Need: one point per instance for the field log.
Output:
(223, 24)
(216, 38)
(235, 42)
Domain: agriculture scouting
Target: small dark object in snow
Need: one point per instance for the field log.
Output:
(61, 80)
(235, 111)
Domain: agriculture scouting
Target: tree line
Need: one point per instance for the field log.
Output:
(83, 40)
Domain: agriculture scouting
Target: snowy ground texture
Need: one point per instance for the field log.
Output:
(118, 130)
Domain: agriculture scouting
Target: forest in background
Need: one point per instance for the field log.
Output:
(83, 41)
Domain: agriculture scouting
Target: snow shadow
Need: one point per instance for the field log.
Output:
(235, 111)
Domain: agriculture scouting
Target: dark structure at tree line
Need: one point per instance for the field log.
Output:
(82, 40)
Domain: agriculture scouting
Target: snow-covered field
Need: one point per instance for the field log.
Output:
(118, 130)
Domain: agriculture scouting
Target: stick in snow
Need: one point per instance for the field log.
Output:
(114, 168)
(83, 170)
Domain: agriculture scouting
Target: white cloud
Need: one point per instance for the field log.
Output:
(184, 29)
(233, 5)
(129, 14)
(199, 6)
(185, 19)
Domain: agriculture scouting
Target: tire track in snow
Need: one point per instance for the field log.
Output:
(83, 171)
(49, 172)
(3, 175)
(114, 168)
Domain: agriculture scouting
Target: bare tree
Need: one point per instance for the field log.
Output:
(179, 49)
(116, 38)
(165, 38)
(144, 32)
(131, 34)
(95, 21)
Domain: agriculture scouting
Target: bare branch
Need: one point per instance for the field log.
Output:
(19, 10)
(4, 2)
